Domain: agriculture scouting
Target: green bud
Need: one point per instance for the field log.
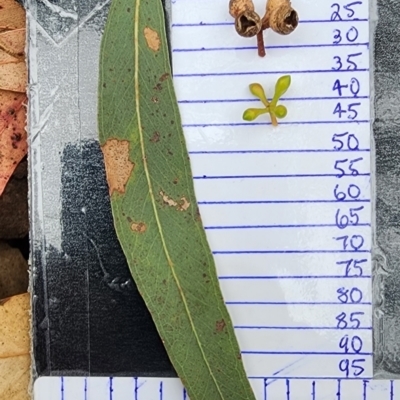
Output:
(281, 88)
(257, 90)
(252, 113)
(280, 111)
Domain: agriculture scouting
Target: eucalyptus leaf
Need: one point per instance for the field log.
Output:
(154, 206)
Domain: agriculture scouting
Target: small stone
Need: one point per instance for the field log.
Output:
(14, 276)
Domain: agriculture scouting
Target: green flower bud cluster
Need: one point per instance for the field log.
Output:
(272, 108)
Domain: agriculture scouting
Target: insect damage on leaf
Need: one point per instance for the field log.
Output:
(117, 163)
(139, 227)
(220, 326)
(168, 200)
(152, 39)
(183, 205)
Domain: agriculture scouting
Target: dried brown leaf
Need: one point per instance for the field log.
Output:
(12, 15)
(13, 76)
(14, 348)
(10, 103)
(13, 147)
(14, 41)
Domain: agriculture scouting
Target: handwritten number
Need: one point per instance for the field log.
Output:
(351, 35)
(348, 7)
(336, 15)
(346, 296)
(352, 142)
(351, 63)
(355, 242)
(353, 368)
(337, 37)
(353, 267)
(338, 63)
(354, 87)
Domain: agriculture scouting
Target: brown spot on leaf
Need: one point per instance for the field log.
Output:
(168, 200)
(154, 99)
(163, 77)
(183, 204)
(220, 325)
(117, 163)
(155, 138)
(175, 181)
(152, 39)
(15, 139)
(158, 87)
(198, 216)
(139, 227)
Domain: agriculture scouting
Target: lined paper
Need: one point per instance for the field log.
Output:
(287, 209)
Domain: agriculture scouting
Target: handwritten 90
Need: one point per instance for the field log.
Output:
(348, 89)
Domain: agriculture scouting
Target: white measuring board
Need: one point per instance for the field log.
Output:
(287, 210)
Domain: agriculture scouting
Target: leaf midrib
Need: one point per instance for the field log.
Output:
(145, 166)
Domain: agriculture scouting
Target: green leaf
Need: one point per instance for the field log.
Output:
(281, 87)
(252, 113)
(154, 206)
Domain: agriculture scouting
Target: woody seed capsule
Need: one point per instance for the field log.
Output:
(280, 17)
(247, 21)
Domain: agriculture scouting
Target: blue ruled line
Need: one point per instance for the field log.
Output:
(287, 389)
(248, 100)
(330, 328)
(280, 123)
(391, 390)
(313, 391)
(293, 46)
(311, 21)
(136, 388)
(365, 389)
(276, 226)
(292, 252)
(307, 353)
(294, 303)
(251, 277)
(280, 176)
(229, 152)
(265, 389)
(62, 388)
(161, 390)
(338, 390)
(111, 389)
(281, 202)
(85, 389)
(305, 378)
(290, 72)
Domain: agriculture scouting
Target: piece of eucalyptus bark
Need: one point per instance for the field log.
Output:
(154, 206)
